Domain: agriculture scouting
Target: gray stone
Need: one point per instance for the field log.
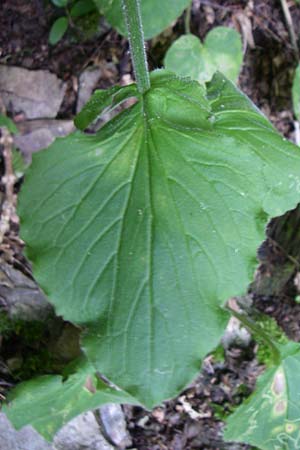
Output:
(38, 134)
(113, 425)
(87, 83)
(25, 439)
(235, 335)
(21, 297)
(82, 433)
(36, 93)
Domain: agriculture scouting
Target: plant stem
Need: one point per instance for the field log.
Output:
(132, 15)
(256, 329)
(187, 19)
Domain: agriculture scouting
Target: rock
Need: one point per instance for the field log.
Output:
(235, 335)
(87, 83)
(36, 93)
(25, 439)
(38, 134)
(113, 425)
(21, 297)
(66, 346)
(82, 433)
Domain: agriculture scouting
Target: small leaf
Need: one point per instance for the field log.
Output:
(19, 165)
(225, 46)
(270, 418)
(48, 402)
(222, 50)
(296, 93)
(189, 57)
(141, 232)
(82, 7)
(58, 29)
(156, 15)
(102, 99)
(8, 123)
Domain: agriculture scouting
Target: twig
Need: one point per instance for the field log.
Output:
(9, 179)
(286, 254)
(289, 23)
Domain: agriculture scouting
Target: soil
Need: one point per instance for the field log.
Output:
(194, 419)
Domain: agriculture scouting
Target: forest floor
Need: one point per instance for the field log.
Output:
(194, 419)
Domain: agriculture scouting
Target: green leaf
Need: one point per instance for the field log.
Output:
(270, 418)
(141, 232)
(296, 93)
(48, 402)
(8, 123)
(222, 50)
(102, 99)
(156, 15)
(58, 29)
(19, 165)
(82, 7)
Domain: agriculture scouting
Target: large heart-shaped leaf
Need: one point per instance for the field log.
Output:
(270, 419)
(142, 231)
(221, 50)
(47, 402)
(156, 15)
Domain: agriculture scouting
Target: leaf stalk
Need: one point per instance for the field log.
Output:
(133, 19)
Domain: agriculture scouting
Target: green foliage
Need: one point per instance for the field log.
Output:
(138, 232)
(141, 232)
(221, 50)
(296, 93)
(58, 29)
(82, 8)
(156, 15)
(19, 165)
(8, 123)
(32, 359)
(50, 401)
(270, 418)
(270, 327)
(82, 15)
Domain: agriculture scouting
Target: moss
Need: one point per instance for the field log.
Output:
(6, 325)
(270, 327)
(24, 348)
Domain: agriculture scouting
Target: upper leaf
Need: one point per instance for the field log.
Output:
(47, 402)
(156, 15)
(221, 50)
(142, 231)
(270, 418)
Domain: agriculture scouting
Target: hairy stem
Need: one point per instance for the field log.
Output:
(132, 14)
(256, 329)
(187, 19)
